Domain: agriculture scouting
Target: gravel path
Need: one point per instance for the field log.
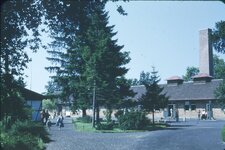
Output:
(68, 139)
(204, 135)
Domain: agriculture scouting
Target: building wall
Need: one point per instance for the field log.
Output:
(36, 108)
(201, 105)
(183, 114)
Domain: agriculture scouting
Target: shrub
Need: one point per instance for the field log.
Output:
(118, 113)
(108, 115)
(29, 127)
(20, 141)
(25, 135)
(223, 134)
(85, 119)
(105, 126)
(133, 120)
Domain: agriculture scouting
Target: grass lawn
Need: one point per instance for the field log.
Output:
(87, 127)
(223, 134)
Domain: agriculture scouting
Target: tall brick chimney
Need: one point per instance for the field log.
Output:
(206, 53)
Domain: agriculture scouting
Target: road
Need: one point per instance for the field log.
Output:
(190, 135)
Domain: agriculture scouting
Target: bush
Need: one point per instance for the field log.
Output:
(85, 119)
(23, 136)
(29, 127)
(21, 142)
(223, 134)
(105, 126)
(133, 120)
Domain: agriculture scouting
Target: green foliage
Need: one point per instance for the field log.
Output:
(144, 78)
(16, 20)
(219, 67)
(85, 119)
(13, 104)
(105, 126)
(218, 37)
(153, 98)
(133, 120)
(190, 72)
(30, 127)
(20, 142)
(91, 55)
(220, 94)
(108, 115)
(48, 104)
(23, 136)
(223, 134)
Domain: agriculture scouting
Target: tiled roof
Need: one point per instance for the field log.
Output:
(185, 91)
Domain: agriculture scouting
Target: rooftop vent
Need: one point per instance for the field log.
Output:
(174, 80)
(202, 77)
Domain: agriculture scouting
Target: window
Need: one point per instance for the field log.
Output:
(186, 105)
(193, 107)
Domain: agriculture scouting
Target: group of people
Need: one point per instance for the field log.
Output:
(45, 119)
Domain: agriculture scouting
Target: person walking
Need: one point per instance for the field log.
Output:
(43, 117)
(49, 124)
(46, 116)
(199, 115)
(60, 123)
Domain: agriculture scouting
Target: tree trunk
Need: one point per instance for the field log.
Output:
(84, 113)
(153, 119)
(97, 115)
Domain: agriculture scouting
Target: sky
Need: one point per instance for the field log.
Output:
(162, 34)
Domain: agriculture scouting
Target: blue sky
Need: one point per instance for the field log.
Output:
(160, 34)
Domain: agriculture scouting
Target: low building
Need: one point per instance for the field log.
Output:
(193, 98)
(189, 98)
(34, 100)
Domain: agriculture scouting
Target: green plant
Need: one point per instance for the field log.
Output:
(29, 127)
(23, 135)
(49, 104)
(20, 141)
(105, 126)
(85, 119)
(108, 115)
(223, 134)
(133, 120)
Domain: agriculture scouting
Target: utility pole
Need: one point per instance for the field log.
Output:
(93, 105)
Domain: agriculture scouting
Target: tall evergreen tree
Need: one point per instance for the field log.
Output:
(92, 57)
(153, 99)
(104, 59)
(144, 78)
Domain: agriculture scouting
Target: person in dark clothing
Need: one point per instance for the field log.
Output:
(60, 122)
(46, 117)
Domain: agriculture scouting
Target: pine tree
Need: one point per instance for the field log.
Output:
(153, 99)
(106, 62)
(92, 57)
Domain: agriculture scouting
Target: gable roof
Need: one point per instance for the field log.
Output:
(185, 91)
(31, 95)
